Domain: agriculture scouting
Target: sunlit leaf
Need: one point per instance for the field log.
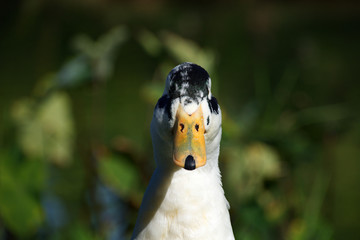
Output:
(296, 230)
(101, 53)
(55, 118)
(149, 42)
(249, 167)
(185, 50)
(46, 130)
(29, 130)
(262, 160)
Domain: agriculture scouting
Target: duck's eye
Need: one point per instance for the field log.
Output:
(181, 127)
(197, 127)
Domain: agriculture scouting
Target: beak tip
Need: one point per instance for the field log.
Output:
(190, 163)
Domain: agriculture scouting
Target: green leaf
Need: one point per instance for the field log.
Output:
(32, 175)
(46, 130)
(250, 166)
(102, 53)
(80, 232)
(19, 211)
(74, 72)
(185, 50)
(149, 42)
(55, 118)
(119, 174)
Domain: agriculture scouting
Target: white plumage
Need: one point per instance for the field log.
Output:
(179, 203)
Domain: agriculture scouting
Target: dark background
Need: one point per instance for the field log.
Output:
(79, 81)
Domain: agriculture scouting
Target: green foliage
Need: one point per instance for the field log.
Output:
(45, 128)
(76, 154)
(250, 167)
(19, 184)
(80, 232)
(185, 50)
(94, 61)
(121, 176)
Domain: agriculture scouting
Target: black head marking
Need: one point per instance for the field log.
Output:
(164, 102)
(189, 80)
(188, 101)
(213, 105)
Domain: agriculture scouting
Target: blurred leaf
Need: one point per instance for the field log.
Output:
(249, 167)
(18, 209)
(32, 175)
(314, 204)
(80, 232)
(273, 206)
(101, 53)
(185, 50)
(254, 225)
(55, 118)
(119, 174)
(74, 72)
(29, 131)
(296, 230)
(46, 130)
(149, 42)
(262, 160)
(346, 180)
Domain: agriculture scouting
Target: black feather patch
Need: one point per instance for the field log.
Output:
(164, 102)
(213, 105)
(189, 80)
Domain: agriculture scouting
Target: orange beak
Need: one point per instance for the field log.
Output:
(189, 139)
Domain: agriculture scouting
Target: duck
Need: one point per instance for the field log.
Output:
(185, 198)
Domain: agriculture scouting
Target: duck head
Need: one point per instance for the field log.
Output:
(186, 125)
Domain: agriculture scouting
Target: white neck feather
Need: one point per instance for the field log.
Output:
(182, 204)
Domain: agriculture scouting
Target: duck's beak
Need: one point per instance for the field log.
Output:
(189, 139)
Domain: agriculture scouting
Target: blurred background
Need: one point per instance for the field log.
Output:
(80, 79)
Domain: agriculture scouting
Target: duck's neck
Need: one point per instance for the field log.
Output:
(183, 204)
(193, 189)
(187, 185)
(186, 203)
(180, 202)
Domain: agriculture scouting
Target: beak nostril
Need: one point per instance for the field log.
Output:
(182, 127)
(197, 127)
